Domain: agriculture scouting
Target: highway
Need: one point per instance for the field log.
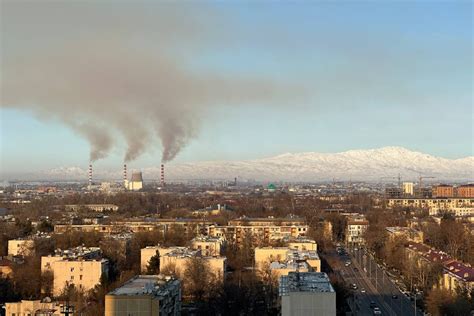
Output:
(379, 289)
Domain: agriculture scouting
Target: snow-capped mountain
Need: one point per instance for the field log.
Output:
(373, 165)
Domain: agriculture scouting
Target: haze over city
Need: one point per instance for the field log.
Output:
(197, 82)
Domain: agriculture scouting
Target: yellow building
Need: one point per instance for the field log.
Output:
(457, 275)
(356, 228)
(21, 247)
(209, 246)
(439, 203)
(150, 251)
(179, 258)
(145, 295)
(409, 234)
(81, 267)
(31, 308)
(282, 260)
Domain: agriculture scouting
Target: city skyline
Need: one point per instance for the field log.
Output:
(349, 81)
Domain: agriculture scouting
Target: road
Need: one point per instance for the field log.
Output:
(364, 272)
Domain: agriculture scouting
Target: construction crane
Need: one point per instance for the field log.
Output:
(420, 183)
(399, 179)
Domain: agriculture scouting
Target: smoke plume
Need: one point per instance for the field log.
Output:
(108, 72)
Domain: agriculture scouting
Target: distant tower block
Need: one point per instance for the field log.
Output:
(162, 178)
(90, 175)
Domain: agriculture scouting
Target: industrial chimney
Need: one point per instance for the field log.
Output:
(162, 178)
(125, 178)
(90, 175)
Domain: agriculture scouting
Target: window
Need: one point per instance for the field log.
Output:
(72, 269)
(80, 277)
(72, 277)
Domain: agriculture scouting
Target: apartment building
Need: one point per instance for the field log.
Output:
(34, 307)
(438, 203)
(455, 273)
(179, 259)
(355, 230)
(209, 246)
(80, 266)
(465, 191)
(268, 221)
(443, 191)
(259, 234)
(282, 260)
(93, 207)
(21, 247)
(408, 233)
(307, 293)
(186, 225)
(150, 251)
(145, 295)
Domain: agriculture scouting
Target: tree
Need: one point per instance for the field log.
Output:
(197, 278)
(153, 266)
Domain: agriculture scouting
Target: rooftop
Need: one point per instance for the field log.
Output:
(316, 282)
(156, 285)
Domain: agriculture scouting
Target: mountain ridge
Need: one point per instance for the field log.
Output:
(358, 164)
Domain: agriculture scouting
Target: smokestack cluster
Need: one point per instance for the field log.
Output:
(90, 175)
(162, 177)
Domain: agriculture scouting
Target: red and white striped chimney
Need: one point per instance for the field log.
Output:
(162, 178)
(90, 175)
(124, 173)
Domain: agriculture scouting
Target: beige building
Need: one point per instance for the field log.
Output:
(408, 233)
(21, 247)
(32, 308)
(150, 251)
(93, 207)
(81, 267)
(356, 228)
(283, 260)
(145, 295)
(437, 203)
(307, 293)
(408, 188)
(209, 246)
(179, 258)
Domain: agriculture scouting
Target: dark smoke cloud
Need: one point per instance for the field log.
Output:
(114, 72)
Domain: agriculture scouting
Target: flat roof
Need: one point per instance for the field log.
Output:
(316, 282)
(145, 285)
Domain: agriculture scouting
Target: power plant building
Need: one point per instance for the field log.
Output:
(136, 183)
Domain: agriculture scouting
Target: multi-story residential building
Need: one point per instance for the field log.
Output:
(455, 274)
(465, 191)
(408, 188)
(259, 234)
(81, 267)
(356, 228)
(443, 191)
(301, 243)
(209, 246)
(178, 258)
(21, 247)
(438, 203)
(282, 260)
(268, 221)
(32, 308)
(307, 293)
(145, 295)
(408, 233)
(93, 207)
(187, 225)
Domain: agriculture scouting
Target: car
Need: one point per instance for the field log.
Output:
(373, 305)
(354, 286)
(394, 296)
(362, 290)
(377, 311)
(348, 263)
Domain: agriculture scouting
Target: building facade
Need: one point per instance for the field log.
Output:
(145, 295)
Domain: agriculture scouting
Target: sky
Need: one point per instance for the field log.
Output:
(151, 81)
